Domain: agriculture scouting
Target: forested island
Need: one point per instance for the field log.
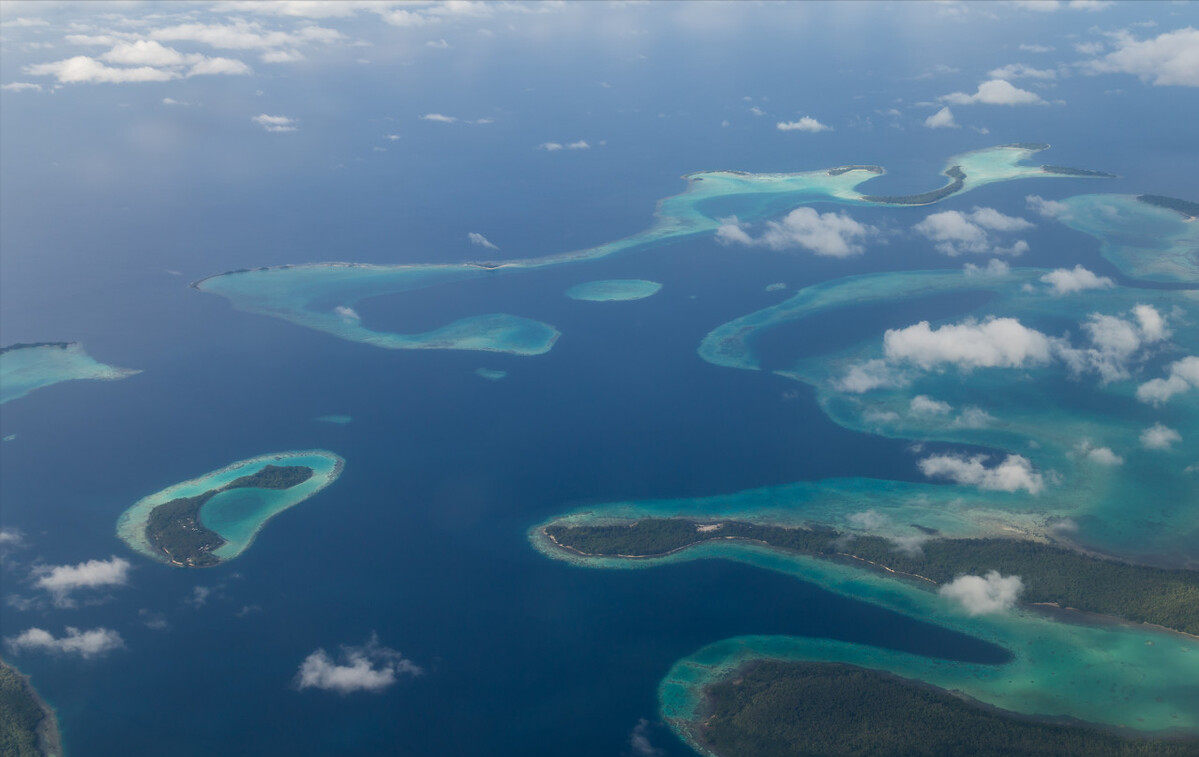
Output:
(174, 527)
(1052, 574)
(1186, 207)
(1085, 172)
(772, 709)
(28, 345)
(28, 727)
(846, 169)
(954, 172)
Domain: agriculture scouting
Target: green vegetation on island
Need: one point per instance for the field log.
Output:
(846, 169)
(174, 527)
(771, 709)
(1086, 172)
(927, 198)
(27, 726)
(1186, 207)
(1051, 574)
(28, 345)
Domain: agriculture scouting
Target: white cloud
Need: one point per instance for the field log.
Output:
(86, 644)
(1089, 48)
(872, 374)
(1098, 455)
(550, 146)
(439, 44)
(11, 537)
(980, 595)
(1067, 281)
(348, 313)
(1152, 323)
(942, 119)
(973, 416)
(639, 740)
(275, 123)
(1159, 436)
(144, 53)
(955, 232)
(829, 234)
(1116, 342)
(995, 92)
(21, 86)
(211, 66)
(993, 343)
(1036, 48)
(61, 580)
(438, 117)
(392, 137)
(1046, 208)
(1181, 376)
(84, 70)
(480, 240)
(1011, 475)
(282, 56)
(922, 404)
(806, 123)
(1021, 71)
(995, 268)
(1169, 59)
(12, 23)
(580, 145)
(244, 35)
(869, 520)
(372, 667)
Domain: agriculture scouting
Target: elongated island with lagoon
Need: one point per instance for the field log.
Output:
(214, 518)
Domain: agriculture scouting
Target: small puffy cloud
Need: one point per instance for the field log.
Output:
(155, 621)
(639, 742)
(980, 595)
(12, 23)
(580, 145)
(244, 35)
(1115, 342)
(144, 52)
(872, 374)
(275, 123)
(1098, 455)
(942, 119)
(11, 537)
(1181, 376)
(995, 268)
(1159, 436)
(955, 232)
(1021, 71)
(1169, 59)
(995, 92)
(806, 123)
(1036, 48)
(829, 234)
(84, 70)
(87, 644)
(21, 86)
(479, 240)
(924, 405)
(439, 44)
(993, 343)
(1046, 208)
(217, 66)
(348, 313)
(372, 668)
(869, 520)
(550, 146)
(1067, 281)
(973, 416)
(1011, 475)
(282, 56)
(61, 580)
(439, 118)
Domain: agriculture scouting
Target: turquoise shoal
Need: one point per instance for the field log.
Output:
(614, 290)
(26, 369)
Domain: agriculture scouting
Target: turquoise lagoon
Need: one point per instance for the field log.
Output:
(322, 296)
(237, 515)
(25, 368)
(1142, 240)
(614, 290)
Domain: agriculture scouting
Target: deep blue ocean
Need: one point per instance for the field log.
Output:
(111, 205)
